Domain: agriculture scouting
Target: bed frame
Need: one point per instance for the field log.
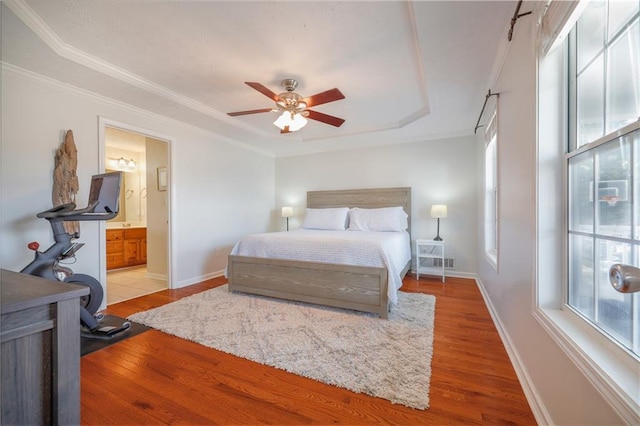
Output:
(343, 286)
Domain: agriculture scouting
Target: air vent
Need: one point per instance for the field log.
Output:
(448, 263)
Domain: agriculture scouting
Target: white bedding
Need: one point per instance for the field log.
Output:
(391, 250)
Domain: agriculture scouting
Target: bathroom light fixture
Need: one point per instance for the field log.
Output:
(438, 211)
(123, 164)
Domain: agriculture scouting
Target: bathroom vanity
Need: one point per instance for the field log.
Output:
(126, 247)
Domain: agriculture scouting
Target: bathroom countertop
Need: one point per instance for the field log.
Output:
(118, 225)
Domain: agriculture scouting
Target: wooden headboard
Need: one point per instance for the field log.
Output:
(363, 198)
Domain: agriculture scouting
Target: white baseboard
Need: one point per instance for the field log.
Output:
(452, 273)
(533, 398)
(460, 274)
(161, 277)
(199, 279)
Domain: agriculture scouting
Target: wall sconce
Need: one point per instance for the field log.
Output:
(438, 211)
(287, 212)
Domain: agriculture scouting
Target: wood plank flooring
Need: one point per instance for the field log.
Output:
(155, 378)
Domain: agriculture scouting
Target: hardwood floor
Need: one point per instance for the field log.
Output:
(155, 378)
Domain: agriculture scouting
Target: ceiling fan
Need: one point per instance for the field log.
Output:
(294, 107)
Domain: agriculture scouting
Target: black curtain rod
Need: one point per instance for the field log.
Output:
(486, 99)
(515, 18)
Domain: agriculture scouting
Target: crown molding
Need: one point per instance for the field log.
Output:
(10, 69)
(31, 19)
(62, 49)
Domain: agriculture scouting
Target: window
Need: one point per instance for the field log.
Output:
(575, 186)
(603, 166)
(491, 190)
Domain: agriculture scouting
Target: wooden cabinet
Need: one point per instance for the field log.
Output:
(40, 329)
(126, 247)
(115, 248)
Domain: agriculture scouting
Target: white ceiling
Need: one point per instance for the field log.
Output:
(410, 71)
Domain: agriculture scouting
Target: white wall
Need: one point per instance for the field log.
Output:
(559, 392)
(438, 171)
(220, 191)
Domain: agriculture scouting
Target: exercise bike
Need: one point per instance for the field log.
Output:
(103, 205)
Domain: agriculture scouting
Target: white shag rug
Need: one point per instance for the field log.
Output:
(389, 359)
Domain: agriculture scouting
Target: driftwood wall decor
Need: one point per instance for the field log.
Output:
(65, 178)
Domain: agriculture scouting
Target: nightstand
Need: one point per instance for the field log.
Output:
(433, 251)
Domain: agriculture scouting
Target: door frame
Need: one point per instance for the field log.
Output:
(103, 123)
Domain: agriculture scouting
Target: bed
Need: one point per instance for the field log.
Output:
(359, 287)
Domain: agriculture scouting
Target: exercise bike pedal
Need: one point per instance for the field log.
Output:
(107, 332)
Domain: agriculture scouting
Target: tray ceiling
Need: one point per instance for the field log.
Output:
(410, 71)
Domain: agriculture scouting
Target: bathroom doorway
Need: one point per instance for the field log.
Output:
(137, 239)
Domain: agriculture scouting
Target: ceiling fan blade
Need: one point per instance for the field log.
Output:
(264, 90)
(324, 97)
(325, 118)
(253, 111)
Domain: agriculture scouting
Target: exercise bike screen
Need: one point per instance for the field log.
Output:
(105, 188)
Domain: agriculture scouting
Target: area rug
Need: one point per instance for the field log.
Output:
(92, 344)
(389, 359)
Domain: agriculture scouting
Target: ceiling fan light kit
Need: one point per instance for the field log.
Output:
(294, 107)
(290, 122)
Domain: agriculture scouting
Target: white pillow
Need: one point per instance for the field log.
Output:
(383, 219)
(331, 219)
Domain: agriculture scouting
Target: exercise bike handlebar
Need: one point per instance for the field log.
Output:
(67, 212)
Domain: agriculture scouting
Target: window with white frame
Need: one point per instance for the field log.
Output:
(491, 189)
(603, 166)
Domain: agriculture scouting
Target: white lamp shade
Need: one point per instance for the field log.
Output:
(298, 123)
(439, 211)
(287, 211)
(294, 121)
(283, 121)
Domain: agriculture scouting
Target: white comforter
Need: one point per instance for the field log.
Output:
(391, 250)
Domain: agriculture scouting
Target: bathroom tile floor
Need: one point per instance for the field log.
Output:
(129, 283)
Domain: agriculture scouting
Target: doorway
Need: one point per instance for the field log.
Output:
(137, 249)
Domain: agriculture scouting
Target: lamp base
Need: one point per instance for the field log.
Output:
(437, 238)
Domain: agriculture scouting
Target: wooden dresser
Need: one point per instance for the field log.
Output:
(40, 333)
(126, 247)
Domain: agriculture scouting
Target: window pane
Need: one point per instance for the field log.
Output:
(620, 12)
(581, 193)
(604, 181)
(591, 32)
(581, 290)
(635, 139)
(613, 179)
(490, 202)
(591, 103)
(623, 80)
(614, 308)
